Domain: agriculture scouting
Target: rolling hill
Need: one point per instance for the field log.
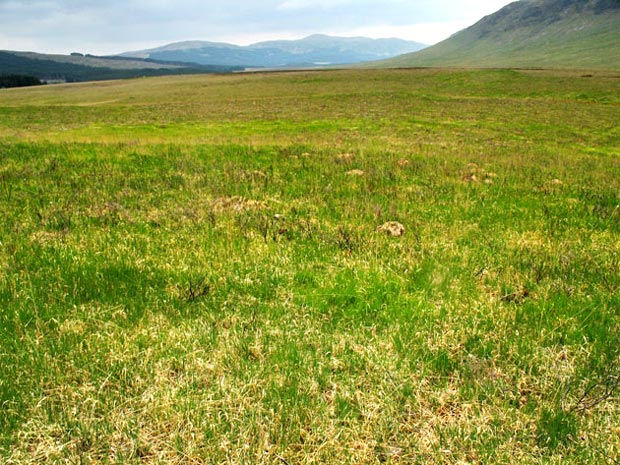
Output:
(532, 33)
(77, 67)
(311, 51)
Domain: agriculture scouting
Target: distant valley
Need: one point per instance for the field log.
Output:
(198, 57)
(524, 34)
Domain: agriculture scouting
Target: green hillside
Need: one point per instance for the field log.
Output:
(78, 68)
(532, 33)
(93, 61)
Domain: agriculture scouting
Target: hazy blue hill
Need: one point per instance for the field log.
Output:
(185, 46)
(532, 33)
(360, 45)
(315, 49)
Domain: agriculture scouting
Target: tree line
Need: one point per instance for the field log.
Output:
(18, 80)
(49, 70)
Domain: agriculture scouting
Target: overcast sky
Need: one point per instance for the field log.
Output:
(114, 26)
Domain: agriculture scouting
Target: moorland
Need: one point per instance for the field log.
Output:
(193, 269)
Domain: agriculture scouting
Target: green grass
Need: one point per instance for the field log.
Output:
(190, 270)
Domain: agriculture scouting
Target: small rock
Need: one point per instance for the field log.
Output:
(392, 228)
(355, 173)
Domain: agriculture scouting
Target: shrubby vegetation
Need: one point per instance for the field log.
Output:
(18, 80)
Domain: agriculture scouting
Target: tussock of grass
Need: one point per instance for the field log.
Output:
(216, 294)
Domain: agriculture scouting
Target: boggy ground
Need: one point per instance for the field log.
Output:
(192, 269)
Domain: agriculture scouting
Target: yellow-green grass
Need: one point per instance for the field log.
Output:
(191, 272)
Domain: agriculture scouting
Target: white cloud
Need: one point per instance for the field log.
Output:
(99, 27)
(335, 4)
(296, 5)
(427, 33)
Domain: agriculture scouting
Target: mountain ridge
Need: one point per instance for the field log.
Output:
(310, 50)
(531, 33)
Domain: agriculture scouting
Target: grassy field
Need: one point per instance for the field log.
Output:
(191, 270)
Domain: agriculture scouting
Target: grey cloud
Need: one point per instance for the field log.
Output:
(119, 23)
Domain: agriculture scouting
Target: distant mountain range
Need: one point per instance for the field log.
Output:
(532, 33)
(203, 57)
(315, 50)
(526, 33)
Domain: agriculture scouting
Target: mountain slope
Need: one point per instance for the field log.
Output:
(312, 50)
(532, 33)
(76, 68)
(97, 62)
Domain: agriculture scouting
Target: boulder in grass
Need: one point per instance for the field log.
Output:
(392, 228)
(355, 173)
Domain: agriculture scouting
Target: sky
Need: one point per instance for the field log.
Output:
(115, 26)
